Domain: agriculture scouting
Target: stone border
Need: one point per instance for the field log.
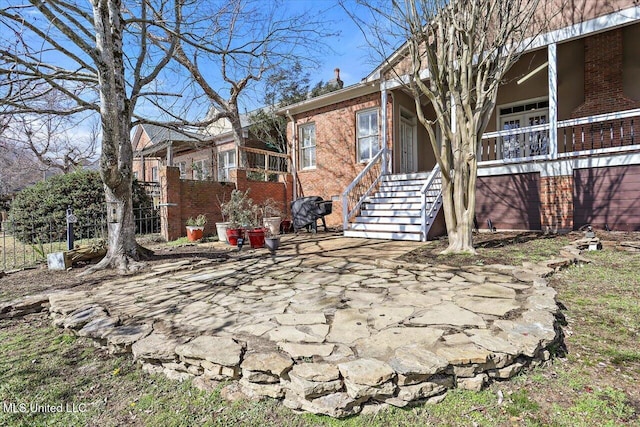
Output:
(340, 387)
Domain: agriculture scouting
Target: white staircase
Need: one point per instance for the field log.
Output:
(396, 210)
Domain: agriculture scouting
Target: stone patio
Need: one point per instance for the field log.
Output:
(330, 325)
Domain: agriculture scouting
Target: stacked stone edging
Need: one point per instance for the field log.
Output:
(327, 376)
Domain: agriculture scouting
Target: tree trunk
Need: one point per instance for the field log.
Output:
(116, 161)
(459, 194)
(238, 137)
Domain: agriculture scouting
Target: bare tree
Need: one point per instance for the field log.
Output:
(57, 141)
(456, 55)
(230, 47)
(96, 57)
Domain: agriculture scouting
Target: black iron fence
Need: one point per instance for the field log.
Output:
(26, 245)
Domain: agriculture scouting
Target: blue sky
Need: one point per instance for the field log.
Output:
(351, 49)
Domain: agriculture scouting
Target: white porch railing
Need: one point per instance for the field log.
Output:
(602, 133)
(362, 186)
(431, 199)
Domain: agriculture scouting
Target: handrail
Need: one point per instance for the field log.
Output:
(517, 131)
(599, 118)
(423, 196)
(346, 213)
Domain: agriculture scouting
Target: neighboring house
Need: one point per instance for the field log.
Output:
(189, 174)
(209, 155)
(561, 150)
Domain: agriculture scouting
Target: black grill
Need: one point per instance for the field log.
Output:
(307, 210)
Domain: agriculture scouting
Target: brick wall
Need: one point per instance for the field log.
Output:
(556, 203)
(336, 164)
(259, 191)
(182, 199)
(603, 78)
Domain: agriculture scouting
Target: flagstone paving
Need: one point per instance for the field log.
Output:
(328, 325)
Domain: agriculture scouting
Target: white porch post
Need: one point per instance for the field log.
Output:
(553, 100)
(170, 154)
(385, 156)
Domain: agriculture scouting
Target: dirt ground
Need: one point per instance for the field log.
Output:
(40, 279)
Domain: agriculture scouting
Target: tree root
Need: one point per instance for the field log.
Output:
(124, 264)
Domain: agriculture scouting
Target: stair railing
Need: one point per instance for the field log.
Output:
(428, 209)
(362, 186)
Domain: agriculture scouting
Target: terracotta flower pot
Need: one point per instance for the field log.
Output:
(194, 233)
(256, 238)
(285, 226)
(233, 234)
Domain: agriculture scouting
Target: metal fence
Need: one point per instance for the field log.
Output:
(23, 246)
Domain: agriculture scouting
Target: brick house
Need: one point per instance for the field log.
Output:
(192, 173)
(561, 150)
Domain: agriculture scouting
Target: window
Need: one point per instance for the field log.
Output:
(201, 170)
(226, 162)
(154, 174)
(308, 146)
(368, 134)
(525, 144)
(183, 169)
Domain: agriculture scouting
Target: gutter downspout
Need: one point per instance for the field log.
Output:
(294, 155)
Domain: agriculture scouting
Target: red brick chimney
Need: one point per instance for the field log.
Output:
(603, 85)
(336, 81)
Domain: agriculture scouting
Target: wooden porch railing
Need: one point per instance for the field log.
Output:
(263, 161)
(604, 131)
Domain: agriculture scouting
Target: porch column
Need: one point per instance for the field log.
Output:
(553, 100)
(385, 156)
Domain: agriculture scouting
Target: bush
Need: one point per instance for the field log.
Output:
(38, 212)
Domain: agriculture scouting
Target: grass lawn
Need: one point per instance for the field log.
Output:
(594, 381)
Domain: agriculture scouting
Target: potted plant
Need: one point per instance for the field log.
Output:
(271, 216)
(221, 227)
(241, 213)
(195, 227)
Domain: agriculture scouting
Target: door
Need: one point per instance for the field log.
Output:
(408, 143)
(511, 145)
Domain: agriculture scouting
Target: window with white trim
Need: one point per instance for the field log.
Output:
(522, 115)
(308, 146)
(183, 169)
(201, 170)
(154, 174)
(368, 134)
(226, 162)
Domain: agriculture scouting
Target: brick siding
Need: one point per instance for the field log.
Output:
(336, 164)
(556, 203)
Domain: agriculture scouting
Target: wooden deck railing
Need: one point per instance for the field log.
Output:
(263, 161)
